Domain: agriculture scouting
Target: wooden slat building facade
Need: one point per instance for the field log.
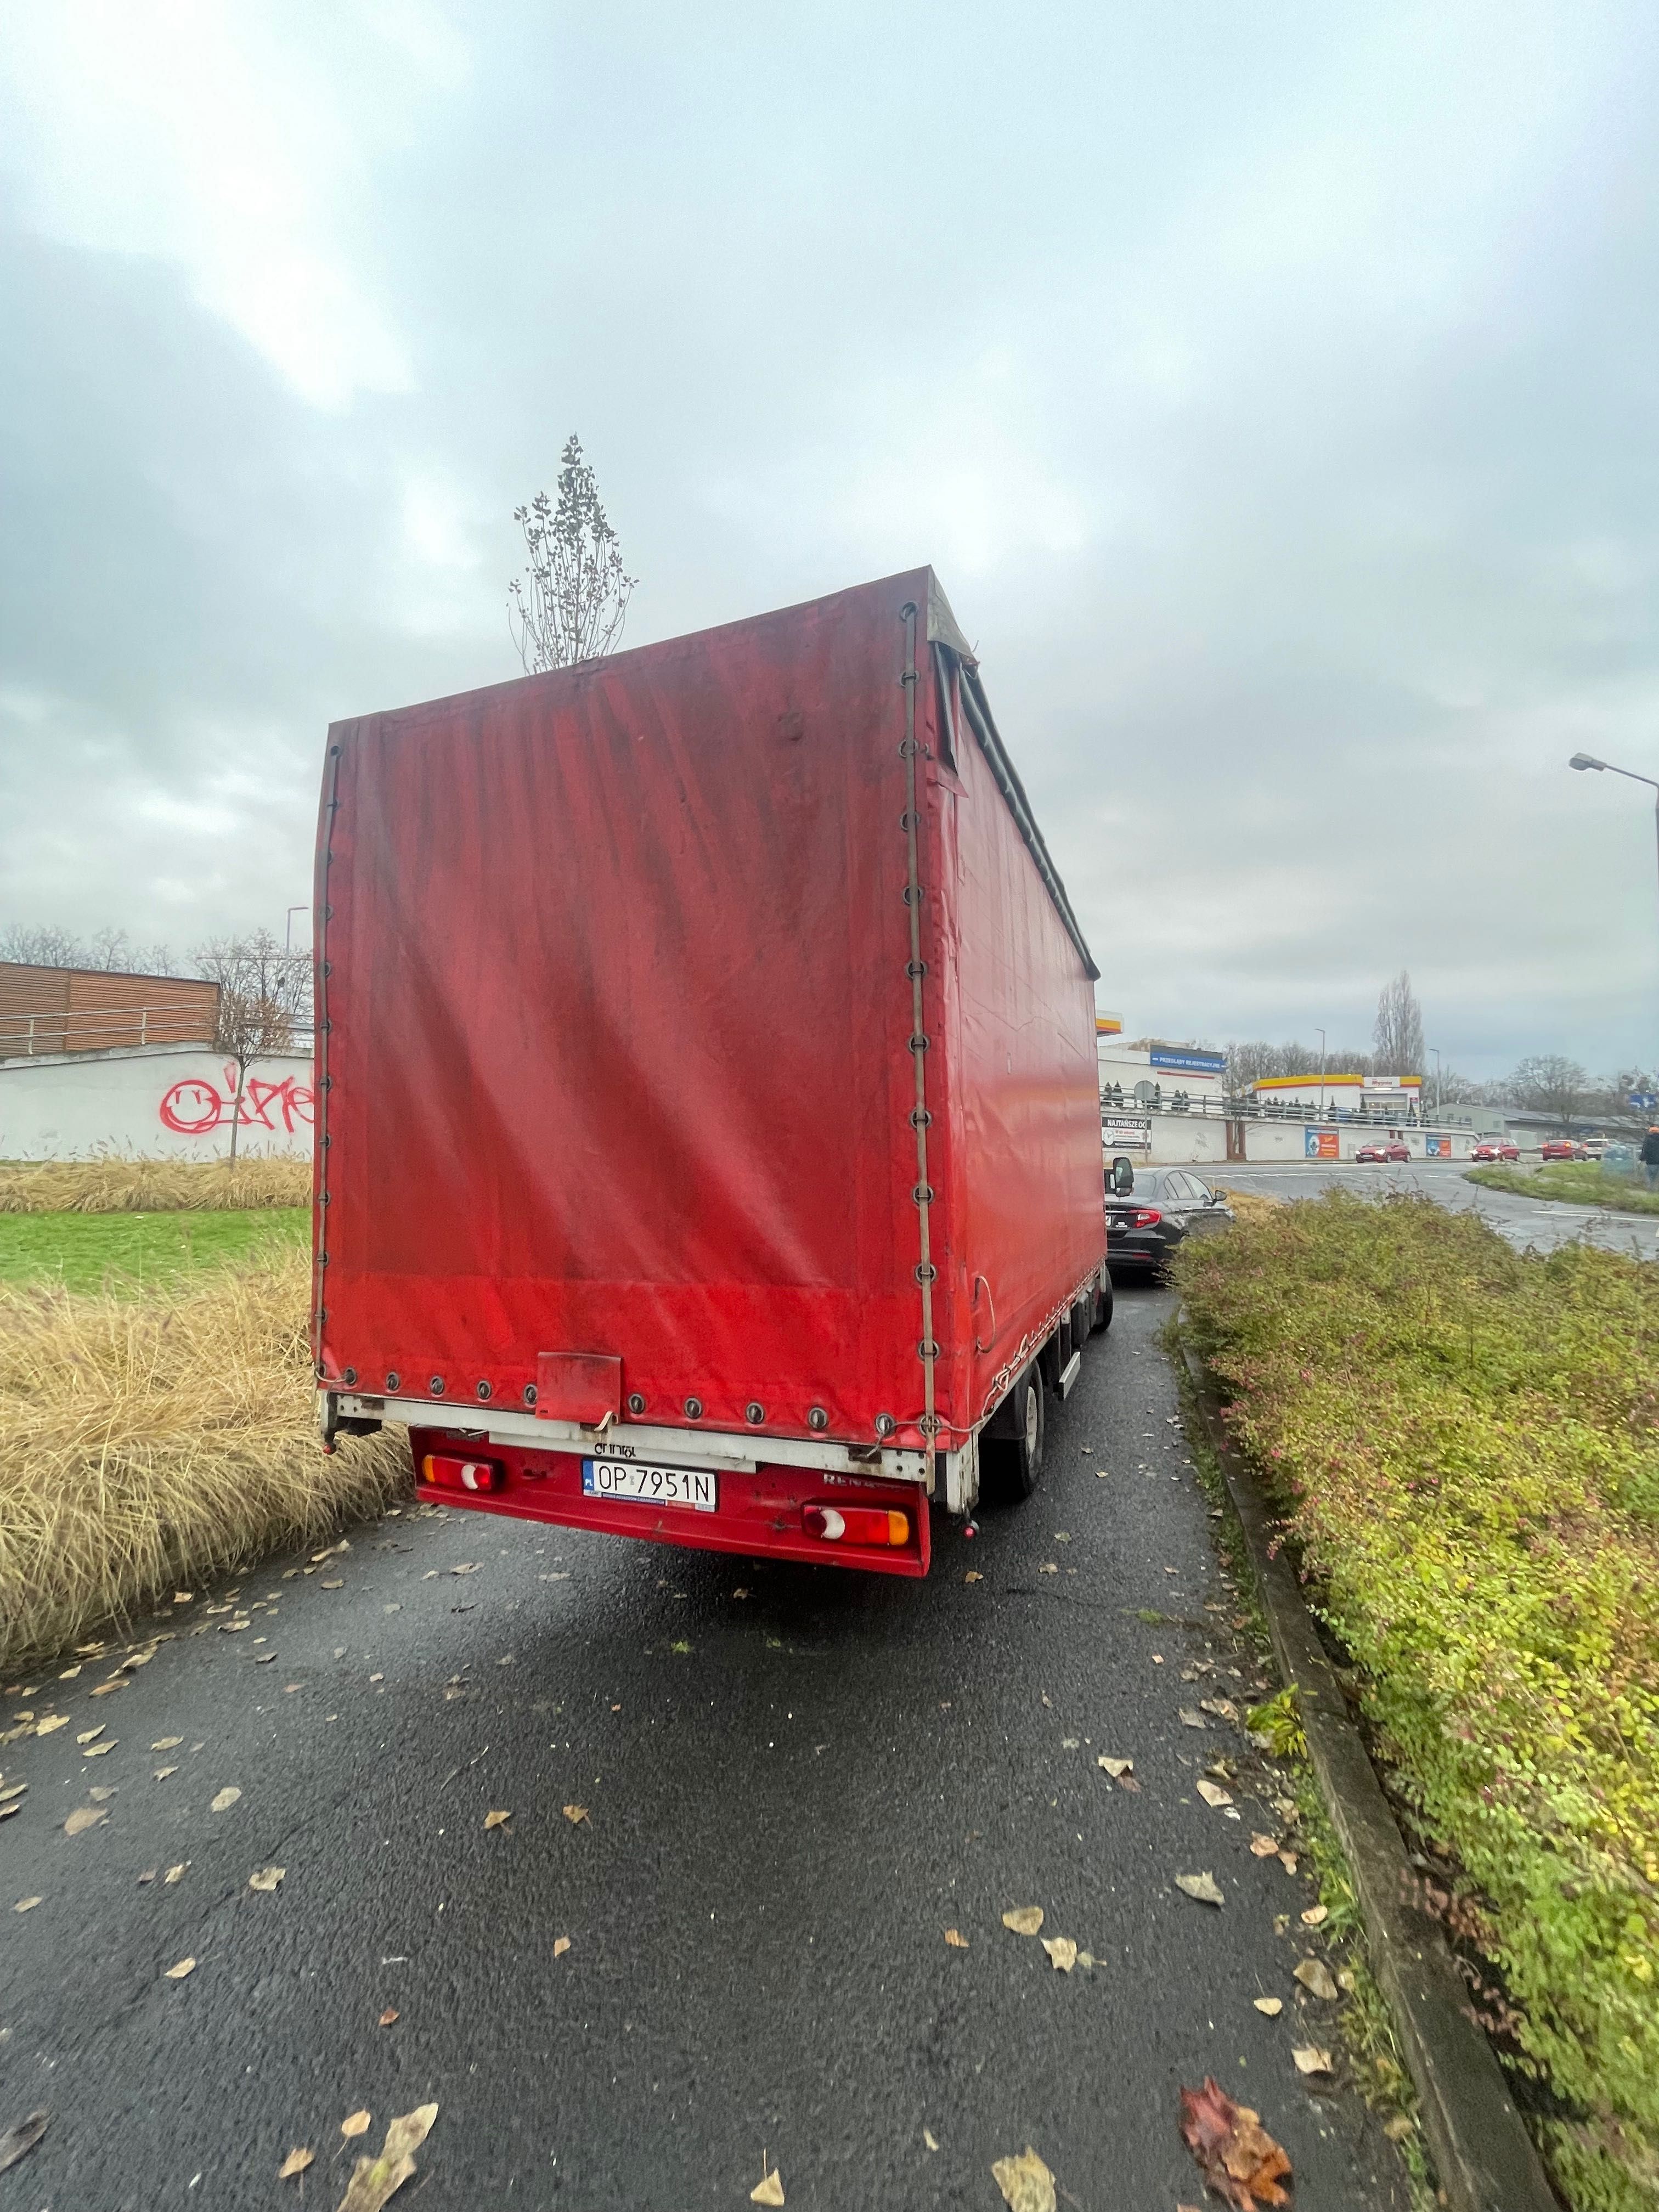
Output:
(45, 1010)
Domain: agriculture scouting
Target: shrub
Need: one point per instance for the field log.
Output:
(145, 1441)
(112, 1183)
(1465, 1442)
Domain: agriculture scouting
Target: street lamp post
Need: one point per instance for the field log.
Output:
(1321, 1034)
(1435, 1049)
(1589, 760)
(287, 933)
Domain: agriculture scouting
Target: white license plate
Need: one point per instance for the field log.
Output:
(651, 1486)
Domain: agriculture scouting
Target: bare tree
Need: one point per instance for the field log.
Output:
(1398, 1031)
(1547, 1084)
(264, 995)
(572, 600)
(44, 946)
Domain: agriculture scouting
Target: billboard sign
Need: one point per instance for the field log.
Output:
(1189, 1063)
(1438, 1148)
(1127, 1132)
(1319, 1144)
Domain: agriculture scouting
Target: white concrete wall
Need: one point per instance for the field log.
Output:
(1179, 1140)
(155, 1101)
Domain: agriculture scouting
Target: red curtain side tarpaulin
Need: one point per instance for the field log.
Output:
(618, 1033)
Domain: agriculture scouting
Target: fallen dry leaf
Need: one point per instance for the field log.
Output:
(388, 2016)
(1203, 1886)
(1263, 1847)
(334, 1584)
(224, 1801)
(166, 1743)
(116, 1682)
(296, 2162)
(956, 1939)
(50, 1725)
(101, 1796)
(97, 1750)
(355, 2124)
(83, 1818)
(1048, 1567)
(161, 1773)
(178, 1974)
(560, 1945)
(496, 1820)
(1314, 1975)
(1272, 2006)
(16, 2142)
(1062, 1952)
(374, 2181)
(1026, 2182)
(1315, 1915)
(266, 1879)
(467, 1567)
(768, 2190)
(1213, 1794)
(1222, 1708)
(1189, 1718)
(930, 2138)
(1115, 1767)
(1310, 2059)
(1238, 2159)
(575, 1815)
(91, 1734)
(1023, 1919)
(25, 1904)
(176, 1873)
(972, 1574)
(1289, 1861)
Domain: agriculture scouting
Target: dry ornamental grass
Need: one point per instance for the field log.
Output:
(145, 1443)
(112, 1183)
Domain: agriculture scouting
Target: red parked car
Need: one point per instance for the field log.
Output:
(1496, 1148)
(1389, 1154)
(1563, 1148)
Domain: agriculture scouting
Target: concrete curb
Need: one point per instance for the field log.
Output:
(1483, 2155)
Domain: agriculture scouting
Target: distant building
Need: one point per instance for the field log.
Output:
(50, 1010)
(1382, 1096)
(1148, 1073)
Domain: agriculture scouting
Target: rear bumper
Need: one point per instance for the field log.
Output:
(758, 1514)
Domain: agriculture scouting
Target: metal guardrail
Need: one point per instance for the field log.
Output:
(1179, 1106)
(93, 1028)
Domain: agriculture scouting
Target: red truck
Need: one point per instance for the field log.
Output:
(708, 1128)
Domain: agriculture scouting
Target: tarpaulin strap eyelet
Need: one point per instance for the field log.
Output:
(927, 1272)
(436, 1385)
(912, 894)
(909, 749)
(916, 969)
(919, 1042)
(921, 1118)
(923, 1194)
(928, 1349)
(909, 821)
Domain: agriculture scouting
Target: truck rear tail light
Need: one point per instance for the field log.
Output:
(451, 1472)
(1146, 1217)
(856, 1524)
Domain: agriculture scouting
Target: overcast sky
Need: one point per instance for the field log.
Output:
(1272, 386)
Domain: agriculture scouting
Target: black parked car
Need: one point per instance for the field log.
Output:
(1149, 1211)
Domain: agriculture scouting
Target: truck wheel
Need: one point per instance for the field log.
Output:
(1011, 1449)
(1102, 1310)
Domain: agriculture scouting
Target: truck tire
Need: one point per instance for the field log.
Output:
(1011, 1448)
(1101, 1318)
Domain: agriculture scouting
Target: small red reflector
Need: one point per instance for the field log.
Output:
(856, 1524)
(451, 1472)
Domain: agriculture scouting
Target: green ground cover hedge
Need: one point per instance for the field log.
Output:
(1465, 1441)
(1579, 1182)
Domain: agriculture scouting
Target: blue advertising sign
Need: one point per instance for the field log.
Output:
(1191, 1063)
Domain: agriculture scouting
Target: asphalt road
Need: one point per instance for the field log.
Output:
(795, 1781)
(1539, 1224)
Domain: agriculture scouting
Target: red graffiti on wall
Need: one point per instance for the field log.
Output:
(194, 1106)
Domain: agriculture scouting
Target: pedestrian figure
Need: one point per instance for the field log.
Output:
(1650, 1156)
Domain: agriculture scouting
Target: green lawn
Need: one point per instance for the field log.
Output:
(1579, 1182)
(82, 1249)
